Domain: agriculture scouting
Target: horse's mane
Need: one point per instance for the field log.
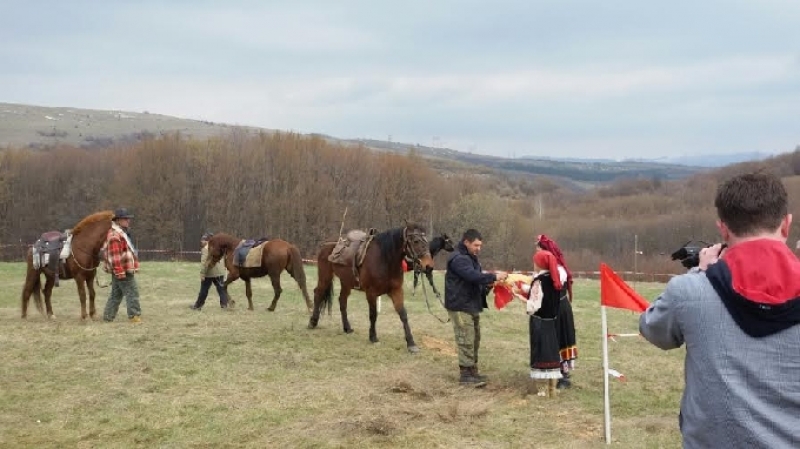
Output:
(391, 242)
(223, 237)
(105, 215)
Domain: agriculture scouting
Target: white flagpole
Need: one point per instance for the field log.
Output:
(606, 400)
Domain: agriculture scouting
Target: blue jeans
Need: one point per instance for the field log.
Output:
(205, 286)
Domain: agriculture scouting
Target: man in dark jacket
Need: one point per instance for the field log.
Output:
(465, 285)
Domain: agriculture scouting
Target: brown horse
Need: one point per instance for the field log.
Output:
(277, 255)
(88, 237)
(380, 273)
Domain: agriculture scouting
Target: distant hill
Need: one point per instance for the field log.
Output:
(715, 160)
(39, 127)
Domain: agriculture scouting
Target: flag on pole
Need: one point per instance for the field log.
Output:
(614, 292)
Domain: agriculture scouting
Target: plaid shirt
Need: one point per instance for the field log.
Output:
(119, 257)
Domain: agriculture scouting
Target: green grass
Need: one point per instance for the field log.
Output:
(261, 379)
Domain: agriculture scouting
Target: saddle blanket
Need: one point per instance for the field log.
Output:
(249, 257)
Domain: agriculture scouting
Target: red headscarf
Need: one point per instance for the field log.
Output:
(547, 261)
(550, 245)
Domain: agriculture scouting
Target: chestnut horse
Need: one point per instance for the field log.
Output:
(380, 273)
(88, 237)
(277, 255)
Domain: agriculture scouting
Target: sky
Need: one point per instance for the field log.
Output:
(511, 78)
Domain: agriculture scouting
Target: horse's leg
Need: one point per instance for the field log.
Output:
(90, 286)
(343, 308)
(49, 282)
(397, 300)
(374, 304)
(249, 292)
(228, 279)
(79, 281)
(276, 287)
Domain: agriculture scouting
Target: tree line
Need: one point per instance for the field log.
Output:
(295, 187)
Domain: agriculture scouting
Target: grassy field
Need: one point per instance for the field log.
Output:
(186, 379)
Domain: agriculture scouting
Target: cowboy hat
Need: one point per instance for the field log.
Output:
(122, 213)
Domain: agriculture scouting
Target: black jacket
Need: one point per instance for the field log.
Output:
(464, 282)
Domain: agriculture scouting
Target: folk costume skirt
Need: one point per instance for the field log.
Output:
(567, 344)
(545, 357)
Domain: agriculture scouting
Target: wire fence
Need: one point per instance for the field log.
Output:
(17, 253)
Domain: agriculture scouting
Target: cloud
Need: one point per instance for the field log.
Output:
(500, 76)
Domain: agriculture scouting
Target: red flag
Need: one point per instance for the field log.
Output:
(614, 292)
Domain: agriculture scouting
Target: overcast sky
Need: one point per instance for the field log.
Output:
(507, 77)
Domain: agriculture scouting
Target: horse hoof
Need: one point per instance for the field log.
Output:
(373, 340)
(312, 326)
(271, 309)
(348, 331)
(52, 317)
(413, 349)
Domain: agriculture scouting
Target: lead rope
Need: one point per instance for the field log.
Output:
(425, 292)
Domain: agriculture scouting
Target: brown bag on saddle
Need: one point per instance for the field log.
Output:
(350, 249)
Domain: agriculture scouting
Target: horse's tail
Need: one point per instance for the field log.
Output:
(33, 286)
(298, 272)
(325, 276)
(327, 299)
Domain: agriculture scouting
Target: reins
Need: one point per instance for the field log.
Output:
(75, 259)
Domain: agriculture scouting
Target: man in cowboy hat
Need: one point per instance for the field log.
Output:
(122, 262)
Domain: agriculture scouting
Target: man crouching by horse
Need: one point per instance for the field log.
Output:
(122, 262)
(464, 287)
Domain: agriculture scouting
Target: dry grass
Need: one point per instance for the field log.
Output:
(261, 379)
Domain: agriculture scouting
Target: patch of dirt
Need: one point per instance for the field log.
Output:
(447, 348)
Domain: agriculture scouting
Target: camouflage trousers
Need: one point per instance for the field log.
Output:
(467, 328)
(119, 288)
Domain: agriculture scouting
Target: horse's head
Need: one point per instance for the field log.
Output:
(218, 245)
(416, 246)
(447, 243)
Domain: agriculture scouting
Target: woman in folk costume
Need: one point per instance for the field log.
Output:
(566, 322)
(545, 295)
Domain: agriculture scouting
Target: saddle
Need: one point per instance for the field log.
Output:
(248, 253)
(351, 249)
(51, 250)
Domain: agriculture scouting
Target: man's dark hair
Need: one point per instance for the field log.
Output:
(752, 202)
(471, 235)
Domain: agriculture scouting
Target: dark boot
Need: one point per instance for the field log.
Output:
(474, 372)
(564, 382)
(467, 378)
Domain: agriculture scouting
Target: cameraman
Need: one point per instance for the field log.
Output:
(738, 316)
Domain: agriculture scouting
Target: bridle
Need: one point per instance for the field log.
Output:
(409, 238)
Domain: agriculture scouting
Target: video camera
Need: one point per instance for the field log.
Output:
(689, 253)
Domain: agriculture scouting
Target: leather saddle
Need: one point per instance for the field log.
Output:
(351, 249)
(47, 251)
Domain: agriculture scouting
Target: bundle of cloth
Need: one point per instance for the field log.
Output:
(516, 285)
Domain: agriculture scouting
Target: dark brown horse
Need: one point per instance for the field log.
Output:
(88, 237)
(380, 273)
(277, 255)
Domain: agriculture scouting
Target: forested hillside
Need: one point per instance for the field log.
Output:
(297, 188)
